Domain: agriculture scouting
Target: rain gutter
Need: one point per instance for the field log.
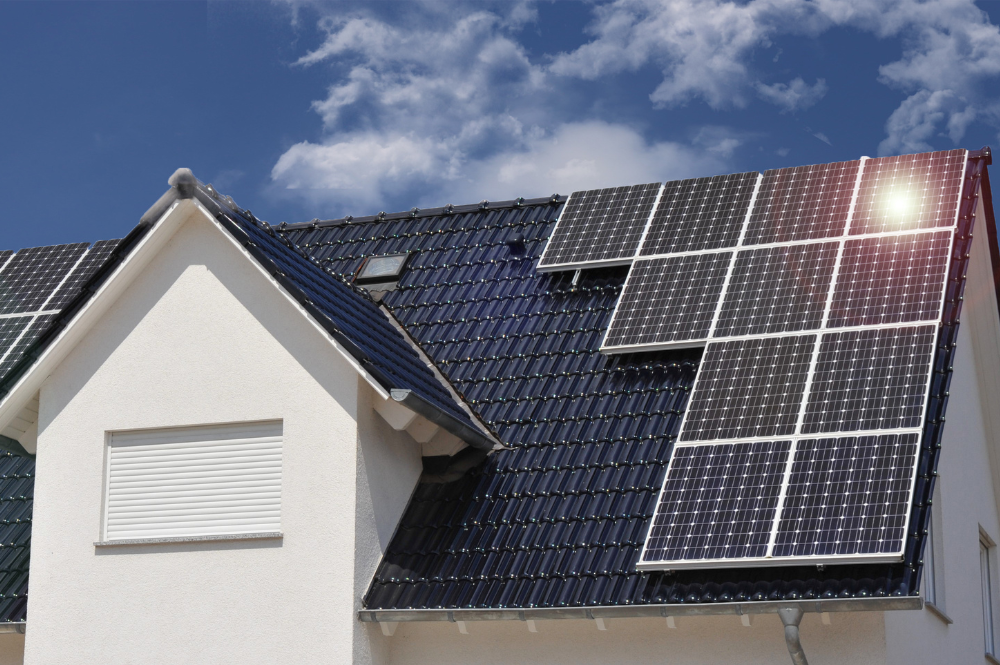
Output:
(639, 611)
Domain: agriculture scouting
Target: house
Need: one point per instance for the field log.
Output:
(444, 435)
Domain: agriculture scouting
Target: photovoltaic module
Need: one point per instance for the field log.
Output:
(599, 227)
(817, 293)
(36, 283)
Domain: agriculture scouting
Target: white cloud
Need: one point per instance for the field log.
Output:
(367, 169)
(578, 156)
(795, 95)
(702, 48)
(452, 105)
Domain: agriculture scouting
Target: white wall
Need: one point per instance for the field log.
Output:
(851, 639)
(966, 494)
(195, 340)
(389, 466)
(11, 649)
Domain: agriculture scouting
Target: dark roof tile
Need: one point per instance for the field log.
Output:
(559, 519)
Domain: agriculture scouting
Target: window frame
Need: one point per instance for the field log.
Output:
(187, 431)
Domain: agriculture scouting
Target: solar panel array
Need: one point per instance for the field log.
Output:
(35, 284)
(817, 293)
(600, 227)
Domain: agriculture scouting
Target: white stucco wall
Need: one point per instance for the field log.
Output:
(851, 639)
(195, 340)
(965, 493)
(389, 466)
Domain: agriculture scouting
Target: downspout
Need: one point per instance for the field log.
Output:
(791, 617)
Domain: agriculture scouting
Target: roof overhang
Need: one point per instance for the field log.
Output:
(175, 213)
(647, 611)
(18, 408)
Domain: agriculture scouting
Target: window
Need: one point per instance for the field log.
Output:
(192, 482)
(381, 269)
(986, 573)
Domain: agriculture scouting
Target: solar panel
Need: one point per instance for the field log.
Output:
(35, 326)
(599, 227)
(777, 289)
(11, 329)
(848, 496)
(718, 502)
(802, 203)
(870, 379)
(668, 300)
(826, 326)
(748, 388)
(891, 279)
(700, 214)
(37, 282)
(95, 258)
(28, 280)
(909, 192)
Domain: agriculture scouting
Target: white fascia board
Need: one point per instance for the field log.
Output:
(382, 392)
(115, 285)
(28, 385)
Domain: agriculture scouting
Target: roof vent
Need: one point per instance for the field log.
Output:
(516, 244)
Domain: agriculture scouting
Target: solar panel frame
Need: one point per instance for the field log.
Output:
(788, 285)
(915, 431)
(879, 276)
(660, 328)
(774, 209)
(729, 377)
(761, 459)
(53, 295)
(850, 384)
(878, 200)
(95, 257)
(800, 505)
(663, 237)
(559, 253)
(32, 275)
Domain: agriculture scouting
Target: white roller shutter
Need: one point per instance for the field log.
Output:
(194, 481)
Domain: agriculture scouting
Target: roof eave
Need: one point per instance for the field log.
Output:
(889, 603)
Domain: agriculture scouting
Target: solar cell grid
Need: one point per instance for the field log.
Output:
(718, 501)
(777, 289)
(748, 388)
(847, 496)
(32, 327)
(96, 256)
(10, 329)
(891, 279)
(870, 379)
(33, 274)
(700, 214)
(600, 226)
(668, 300)
(801, 203)
(909, 192)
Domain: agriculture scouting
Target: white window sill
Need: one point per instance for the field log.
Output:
(939, 613)
(189, 539)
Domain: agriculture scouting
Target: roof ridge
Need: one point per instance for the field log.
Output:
(417, 213)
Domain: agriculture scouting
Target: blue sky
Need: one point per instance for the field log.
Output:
(306, 109)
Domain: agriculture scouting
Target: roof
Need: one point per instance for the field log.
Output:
(559, 518)
(351, 316)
